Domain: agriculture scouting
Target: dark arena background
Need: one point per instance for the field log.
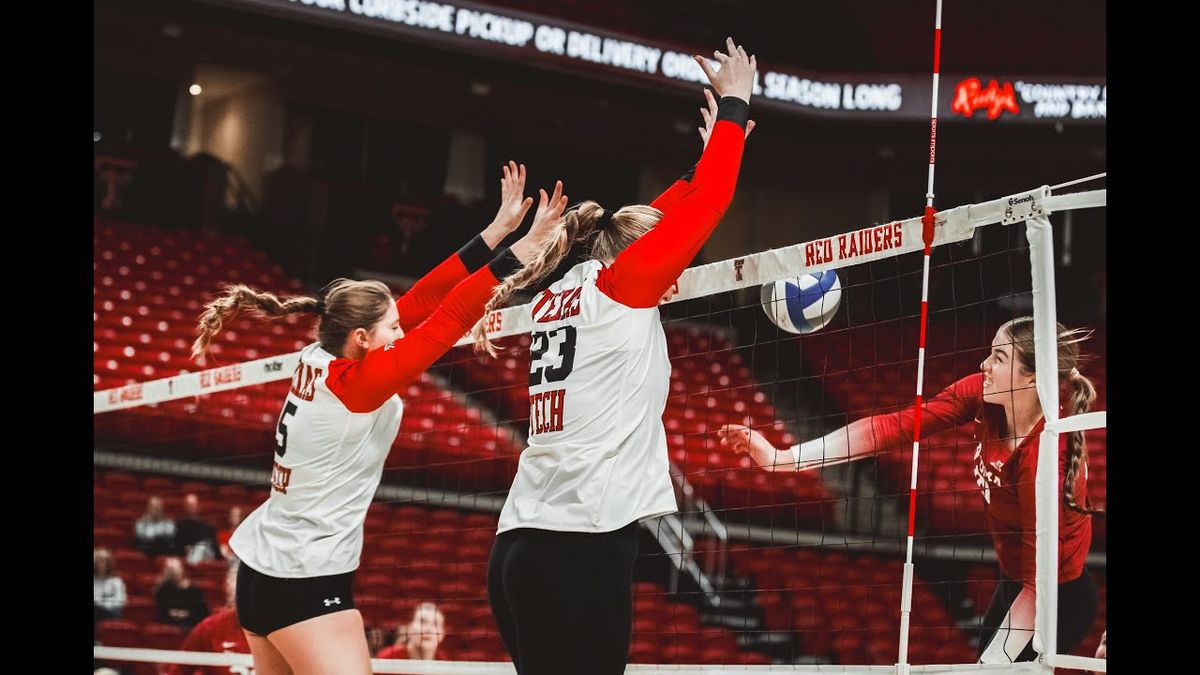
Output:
(285, 143)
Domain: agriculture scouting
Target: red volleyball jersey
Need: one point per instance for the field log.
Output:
(1005, 477)
(219, 632)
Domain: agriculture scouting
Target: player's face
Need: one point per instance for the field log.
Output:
(1001, 373)
(426, 625)
(385, 330)
(173, 569)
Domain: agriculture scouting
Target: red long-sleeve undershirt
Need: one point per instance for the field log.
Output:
(364, 385)
(954, 405)
(677, 191)
(644, 271)
(424, 297)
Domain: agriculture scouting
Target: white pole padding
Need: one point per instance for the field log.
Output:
(1045, 339)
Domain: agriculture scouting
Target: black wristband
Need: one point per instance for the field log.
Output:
(504, 264)
(475, 253)
(733, 109)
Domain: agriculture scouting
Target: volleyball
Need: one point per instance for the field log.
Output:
(803, 304)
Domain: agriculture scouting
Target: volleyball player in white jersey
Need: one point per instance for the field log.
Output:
(300, 548)
(561, 570)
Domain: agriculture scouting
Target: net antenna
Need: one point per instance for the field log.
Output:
(927, 222)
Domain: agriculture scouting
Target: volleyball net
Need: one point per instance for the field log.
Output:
(760, 571)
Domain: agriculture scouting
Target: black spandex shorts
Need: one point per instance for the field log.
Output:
(265, 604)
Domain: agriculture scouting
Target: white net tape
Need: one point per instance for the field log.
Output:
(853, 248)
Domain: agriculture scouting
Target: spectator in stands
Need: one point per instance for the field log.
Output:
(415, 240)
(111, 182)
(377, 639)
(445, 215)
(193, 534)
(179, 601)
(1003, 403)
(223, 534)
(421, 637)
(1102, 650)
(219, 633)
(154, 532)
(108, 589)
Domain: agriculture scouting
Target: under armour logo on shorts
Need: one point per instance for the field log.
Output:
(335, 601)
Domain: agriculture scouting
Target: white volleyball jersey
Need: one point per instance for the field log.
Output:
(598, 382)
(328, 464)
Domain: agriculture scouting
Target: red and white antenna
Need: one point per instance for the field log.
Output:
(927, 234)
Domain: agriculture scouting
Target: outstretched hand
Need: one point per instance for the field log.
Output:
(547, 222)
(513, 205)
(741, 438)
(737, 437)
(549, 212)
(736, 76)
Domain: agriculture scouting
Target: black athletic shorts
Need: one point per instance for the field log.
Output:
(563, 601)
(265, 604)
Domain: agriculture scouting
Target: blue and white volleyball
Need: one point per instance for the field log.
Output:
(804, 304)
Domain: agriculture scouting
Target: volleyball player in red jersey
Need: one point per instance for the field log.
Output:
(219, 632)
(560, 574)
(420, 637)
(299, 550)
(1003, 403)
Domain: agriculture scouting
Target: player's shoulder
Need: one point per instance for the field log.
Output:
(315, 355)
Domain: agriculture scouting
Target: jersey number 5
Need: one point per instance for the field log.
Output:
(563, 341)
(281, 430)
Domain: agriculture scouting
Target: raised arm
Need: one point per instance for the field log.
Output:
(424, 297)
(864, 437)
(680, 188)
(644, 271)
(365, 384)
(677, 190)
